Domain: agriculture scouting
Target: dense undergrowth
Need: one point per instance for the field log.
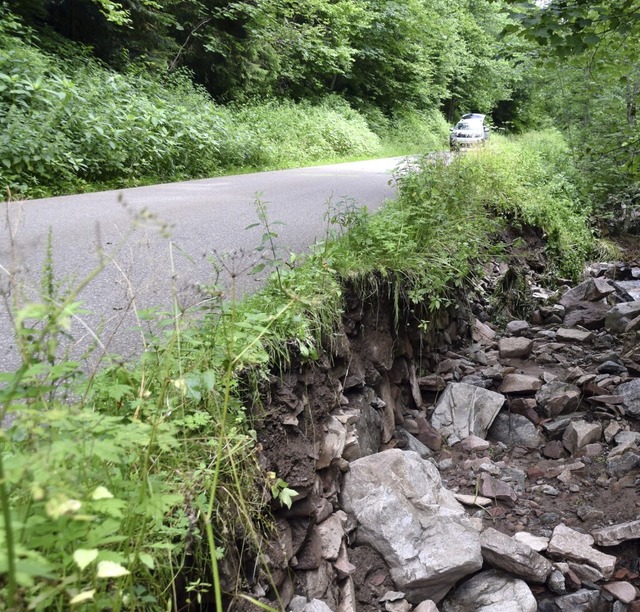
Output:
(140, 487)
(69, 123)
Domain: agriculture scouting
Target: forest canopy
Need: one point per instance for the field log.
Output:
(422, 53)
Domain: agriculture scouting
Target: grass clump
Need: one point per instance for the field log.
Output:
(531, 180)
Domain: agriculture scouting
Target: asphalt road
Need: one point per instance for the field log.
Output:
(160, 241)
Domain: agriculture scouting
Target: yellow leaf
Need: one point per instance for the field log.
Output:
(83, 557)
(109, 569)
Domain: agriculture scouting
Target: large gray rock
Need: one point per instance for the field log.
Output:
(630, 391)
(406, 515)
(557, 397)
(557, 427)
(497, 489)
(331, 532)
(621, 315)
(515, 430)
(482, 333)
(616, 534)
(491, 591)
(515, 557)
(464, 409)
(537, 543)
(591, 290)
(575, 546)
(590, 315)
(321, 584)
(621, 464)
(516, 328)
(622, 590)
(412, 443)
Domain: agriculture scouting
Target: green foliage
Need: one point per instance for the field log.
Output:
(415, 53)
(69, 123)
(279, 47)
(62, 130)
(280, 132)
(532, 181)
(280, 490)
(484, 68)
(111, 485)
(576, 26)
(107, 483)
(410, 130)
(589, 83)
(426, 242)
(446, 214)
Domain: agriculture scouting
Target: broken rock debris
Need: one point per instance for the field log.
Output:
(516, 453)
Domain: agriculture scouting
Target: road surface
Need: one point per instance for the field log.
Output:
(161, 240)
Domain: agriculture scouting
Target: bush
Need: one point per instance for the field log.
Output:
(424, 132)
(287, 132)
(68, 123)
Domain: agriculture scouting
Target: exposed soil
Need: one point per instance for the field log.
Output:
(299, 404)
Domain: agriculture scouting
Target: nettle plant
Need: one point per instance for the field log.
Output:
(81, 498)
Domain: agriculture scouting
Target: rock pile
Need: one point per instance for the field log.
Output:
(500, 475)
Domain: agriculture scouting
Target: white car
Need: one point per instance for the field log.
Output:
(470, 131)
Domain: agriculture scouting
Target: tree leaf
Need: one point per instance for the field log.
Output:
(84, 557)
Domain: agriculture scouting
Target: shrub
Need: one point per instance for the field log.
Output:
(67, 123)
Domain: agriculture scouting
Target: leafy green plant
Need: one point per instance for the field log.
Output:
(107, 481)
(280, 490)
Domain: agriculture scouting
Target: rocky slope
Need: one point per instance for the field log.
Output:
(469, 467)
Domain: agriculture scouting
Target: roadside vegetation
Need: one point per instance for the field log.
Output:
(139, 487)
(584, 79)
(71, 124)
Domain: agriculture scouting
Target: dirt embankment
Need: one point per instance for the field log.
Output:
(376, 388)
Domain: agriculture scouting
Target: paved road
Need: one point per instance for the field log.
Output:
(164, 236)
